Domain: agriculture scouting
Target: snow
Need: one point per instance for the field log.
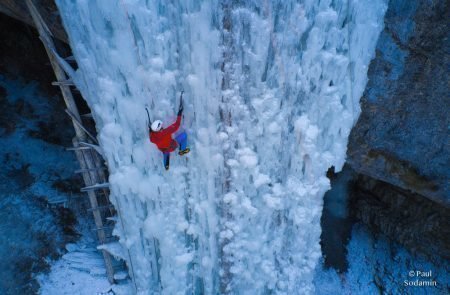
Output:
(36, 174)
(80, 271)
(269, 103)
(115, 249)
(46, 162)
(261, 179)
(66, 280)
(377, 264)
(33, 233)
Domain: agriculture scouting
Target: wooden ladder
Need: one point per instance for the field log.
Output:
(86, 148)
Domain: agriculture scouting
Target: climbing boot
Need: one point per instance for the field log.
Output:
(185, 151)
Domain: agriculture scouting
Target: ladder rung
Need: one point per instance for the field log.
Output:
(103, 227)
(101, 208)
(89, 170)
(93, 146)
(63, 83)
(95, 187)
(76, 121)
(111, 239)
(78, 148)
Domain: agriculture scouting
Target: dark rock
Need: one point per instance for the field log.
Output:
(7, 126)
(401, 136)
(23, 55)
(46, 132)
(31, 243)
(3, 94)
(6, 122)
(47, 9)
(67, 220)
(419, 224)
(24, 109)
(21, 176)
(336, 222)
(70, 185)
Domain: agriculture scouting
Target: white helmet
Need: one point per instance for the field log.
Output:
(157, 125)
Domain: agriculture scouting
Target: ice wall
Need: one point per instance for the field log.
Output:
(272, 91)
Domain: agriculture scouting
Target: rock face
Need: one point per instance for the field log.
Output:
(401, 136)
(399, 146)
(23, 56)
(47, 8)
(422, 226)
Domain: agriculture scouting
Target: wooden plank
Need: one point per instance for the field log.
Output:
(89, 170)
(97, 148)
(103, 228)
(67, 83)
(78, 148)
(60, 61)
(96, 186)
(38, 19)
(78, 122)
(59, 72)
(112, 239)
(86, 157)
(101, 208)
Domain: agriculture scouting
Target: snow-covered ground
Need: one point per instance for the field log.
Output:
(379, 266)
(28, 141)
(271, 93)
(80, 271)
(35, 171)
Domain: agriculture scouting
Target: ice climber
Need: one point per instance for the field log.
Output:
(162, 137)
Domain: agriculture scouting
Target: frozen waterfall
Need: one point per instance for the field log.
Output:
(272, 90)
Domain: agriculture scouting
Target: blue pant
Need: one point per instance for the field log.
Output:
(182, 143)
(182, 140)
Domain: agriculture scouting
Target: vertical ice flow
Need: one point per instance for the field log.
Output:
(272, 90)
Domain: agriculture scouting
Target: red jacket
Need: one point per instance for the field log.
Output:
(163, 138)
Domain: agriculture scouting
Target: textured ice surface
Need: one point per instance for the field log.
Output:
(272, 91)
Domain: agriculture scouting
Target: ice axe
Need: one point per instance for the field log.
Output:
(180, 109)
(149, 121)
